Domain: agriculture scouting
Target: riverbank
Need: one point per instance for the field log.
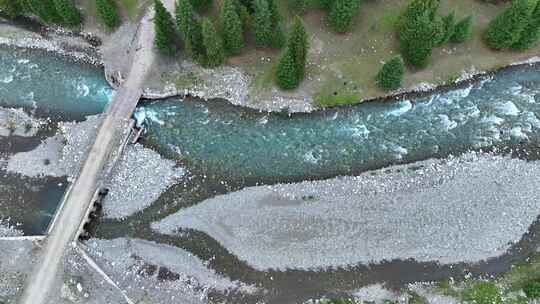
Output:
(29, 33)
(148, 271)
(244, 80)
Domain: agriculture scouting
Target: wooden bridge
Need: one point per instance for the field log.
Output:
(78, 201)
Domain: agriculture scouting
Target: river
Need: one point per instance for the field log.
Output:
(226, 148)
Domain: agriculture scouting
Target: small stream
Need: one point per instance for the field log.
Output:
(226, 148)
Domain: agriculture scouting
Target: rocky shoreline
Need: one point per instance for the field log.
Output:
(229, 83)
(78, 46)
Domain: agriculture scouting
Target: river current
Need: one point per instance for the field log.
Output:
(218, 142)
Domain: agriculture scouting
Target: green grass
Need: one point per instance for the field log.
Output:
(187, 80)
(338, 92)
(131, 8)
(483, 293)
(415, 298)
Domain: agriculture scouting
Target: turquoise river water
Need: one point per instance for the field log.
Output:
(247, 147)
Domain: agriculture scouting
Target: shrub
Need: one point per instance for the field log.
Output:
(68, 11)
(287, 75)
(483, 293)
(230, 27)
(462, 30)
(213, 45)
(532, 290)
(341, 14)
(108, 12)
(13, 8)
(391, 74)
(165, 39)
(262, 23)
(249, 4)
(327, 4)
(531, 34)
(505, 30)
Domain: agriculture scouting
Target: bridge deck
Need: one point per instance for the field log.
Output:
(79, 199)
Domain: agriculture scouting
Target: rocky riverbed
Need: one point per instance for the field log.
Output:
(15, 122)
(434, 210)
(138, 179)
(60, 155)
(148, 271)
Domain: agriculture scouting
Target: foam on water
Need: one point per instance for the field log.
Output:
(507, 108)
(492, 119)
(402, 108)
(7, 79)
(51, 85)
(234, 142)
(446, 123)
(517, 132)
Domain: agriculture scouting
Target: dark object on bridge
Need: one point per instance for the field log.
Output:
(103, 192)
(89, 228)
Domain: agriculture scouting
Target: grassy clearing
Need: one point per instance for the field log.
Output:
(342, 67)
(131, 8)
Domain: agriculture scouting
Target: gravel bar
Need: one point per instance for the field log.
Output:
(139, 178)
(463, 209)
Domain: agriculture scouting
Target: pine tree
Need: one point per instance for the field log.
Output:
(278, 36)
(201, 5)
(449, 27)
(108, 12)
(230, 27)
(68, 11)
(298, 46)
(213, 44)
(13, 8)
(419, 31)
(196, 42)
(507, 28)
(262, 23)
(342, 13)
(165, 39)
(462, 30)
(45, 10)
(531, 34)
(391, 74)
(190, 29)
(184, 16)
(292, 65)
(286, 74)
